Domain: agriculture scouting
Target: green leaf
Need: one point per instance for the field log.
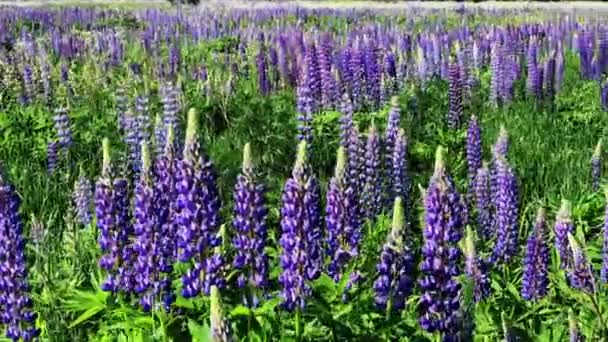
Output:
(240, 311)
(326, 287)
(85, 316)
(199, 333)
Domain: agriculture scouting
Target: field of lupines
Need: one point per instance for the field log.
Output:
(298, 174)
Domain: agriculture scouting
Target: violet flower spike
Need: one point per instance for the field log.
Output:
(507, 212)
(249, 221)
(535, 279)
(82, 198)
(395, 268)
(580, 275)
(343, 226)
(301, 254)
(444, 224)
(564, 225)
(16, 308)
(476, 269)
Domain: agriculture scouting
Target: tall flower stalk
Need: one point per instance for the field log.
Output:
(507, 212)
(443, 228)
(300, 234)
(249, 221)
(343, 226)
(395, 269)
(564, 225)
(15, 302)
(198, 218)
(535, 280)
(476, 269)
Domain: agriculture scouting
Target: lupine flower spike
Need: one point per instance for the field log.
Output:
(473, 151)
(82, 198)
(535, 280)
(444, 224)
(15, 303)
(483, 202)
(300, 233)
(219, 325)
(371, 200)
(340, 218)
(507, 212)
(580, 275)
(596, 166)
(395, 268)
(198, 218)
(563, 226)
(251, 232)
(476, 268)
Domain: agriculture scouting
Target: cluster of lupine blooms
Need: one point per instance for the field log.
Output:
(370, 63)
(175, 217)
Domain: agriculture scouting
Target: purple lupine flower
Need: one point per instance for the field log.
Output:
(535, 280)
(300, 233)
(304, 109)
(563, 226)
(123, 234)
(372, 74)
(580, 275)
(483, 202)
(455, 96)
(499, 150)
(350, 140)
(160, 134)
(341, 219)
(52, 150)
(46, 80)
(473, 151)
(313, 77)
(496, 68)
(395, 269)
(27, 95)
(219, 325)
(249, 222)
(62, 128)
(105, 209)
(507, 212)
(198, 207)
(82, 198)
(400, 182)
(171, 108)
(15, 303)
(533, 86)
(596, 166)
(166, 209)
(146, 230)
(356, 65)
(602, 54)
(371, 198)
(476, 269)
(604, 271)
(444, 224)
(329, 92)
(262, 68)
